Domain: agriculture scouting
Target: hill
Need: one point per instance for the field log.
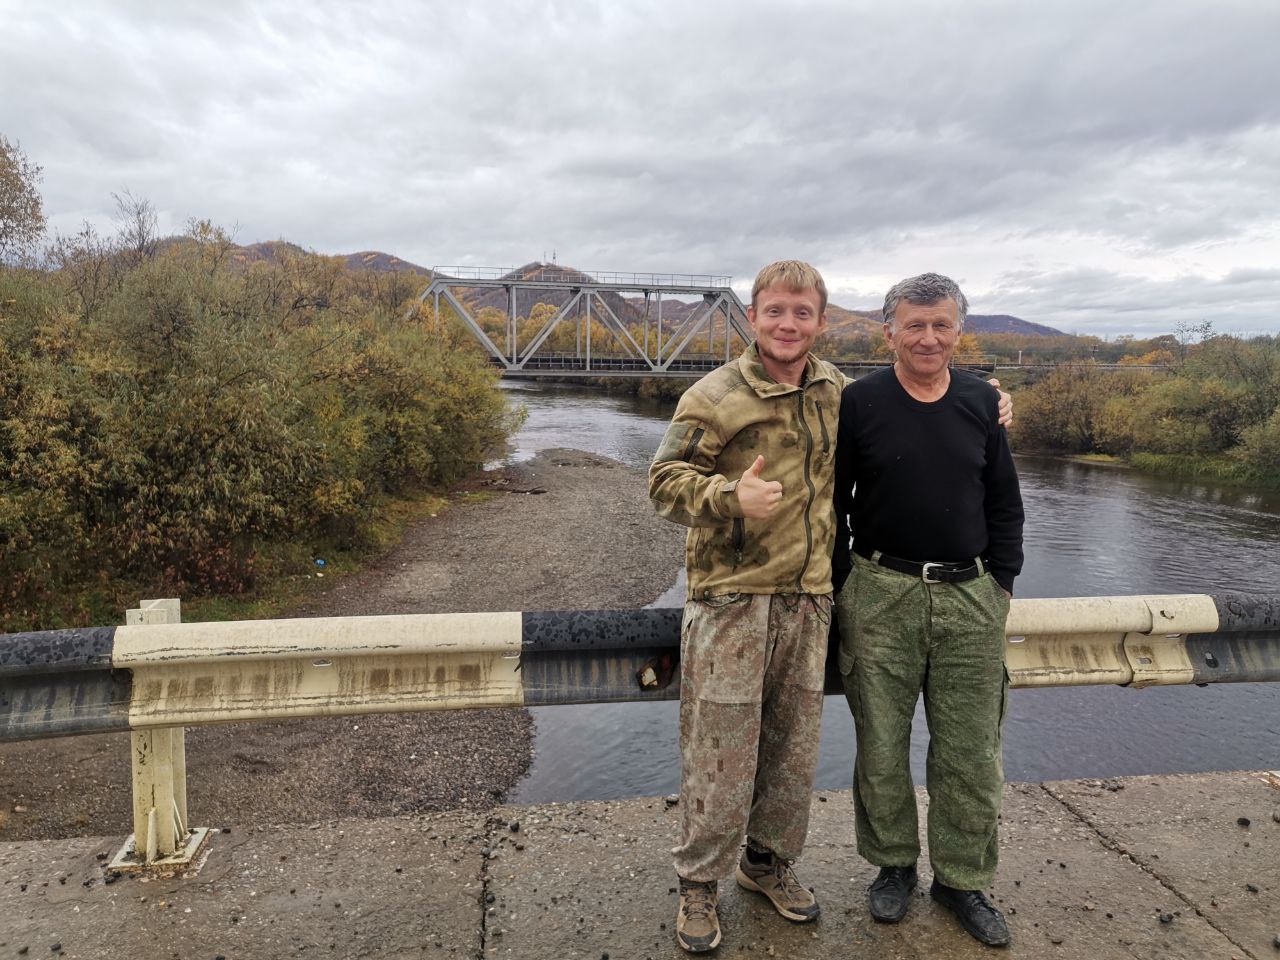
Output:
(629, 311)
(1003, 323)
(270, 250)
(842, 322)
(382, 263)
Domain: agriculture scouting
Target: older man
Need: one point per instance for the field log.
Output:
(927, 494)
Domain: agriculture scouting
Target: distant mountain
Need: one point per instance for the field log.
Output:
(268, 250)
(629, 310)
(261, 252)
(1003, 323)
(382, 263)
(841, 321)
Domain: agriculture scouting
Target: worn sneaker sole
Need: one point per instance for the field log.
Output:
(746, 883)
(698, 947)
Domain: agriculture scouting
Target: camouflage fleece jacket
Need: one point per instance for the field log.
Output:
(722, 423)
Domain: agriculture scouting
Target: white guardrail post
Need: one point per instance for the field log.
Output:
(161, 839)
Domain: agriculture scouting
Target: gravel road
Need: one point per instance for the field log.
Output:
(566, 530)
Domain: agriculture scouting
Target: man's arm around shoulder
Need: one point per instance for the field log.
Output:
(1003, 508)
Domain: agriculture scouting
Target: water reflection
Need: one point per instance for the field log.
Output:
(1091, 531)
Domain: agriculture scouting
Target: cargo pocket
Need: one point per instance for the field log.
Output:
(845, 658)
(724, 654)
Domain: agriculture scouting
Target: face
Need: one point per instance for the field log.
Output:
(786, 323)
(924, 337)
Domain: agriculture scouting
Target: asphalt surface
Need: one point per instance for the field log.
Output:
(1166, 868)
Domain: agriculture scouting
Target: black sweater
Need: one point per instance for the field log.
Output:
(926, 481)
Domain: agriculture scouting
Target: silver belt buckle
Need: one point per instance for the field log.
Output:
(924, 572)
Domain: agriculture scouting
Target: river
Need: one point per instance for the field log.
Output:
(1090, 531)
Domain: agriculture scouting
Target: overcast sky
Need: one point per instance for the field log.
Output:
(1103, 167)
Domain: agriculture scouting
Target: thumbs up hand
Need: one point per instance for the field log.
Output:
(758, 497)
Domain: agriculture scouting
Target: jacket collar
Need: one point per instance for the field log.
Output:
(765, 386)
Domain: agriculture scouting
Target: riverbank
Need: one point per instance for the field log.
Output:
(1142, 868)
(564, 530)
(1221, 470)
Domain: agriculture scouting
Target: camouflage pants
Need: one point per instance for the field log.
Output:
(750, 712)
(899, 636)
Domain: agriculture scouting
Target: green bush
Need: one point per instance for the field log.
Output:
(1216, 417)
(1076, 409)
(1260, 448)
(1185, 415)
(205, 413)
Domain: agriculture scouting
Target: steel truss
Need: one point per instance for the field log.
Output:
(660, 351)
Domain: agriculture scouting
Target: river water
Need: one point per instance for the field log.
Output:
(1091, 531)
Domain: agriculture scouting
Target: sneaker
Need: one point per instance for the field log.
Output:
(777, 881)
(974, 911)
(890, 893)
(697, 925)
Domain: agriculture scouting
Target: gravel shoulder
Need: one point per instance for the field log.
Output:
(566, 530)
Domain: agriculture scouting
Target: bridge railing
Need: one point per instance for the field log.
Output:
(155, 675)
(638, 281)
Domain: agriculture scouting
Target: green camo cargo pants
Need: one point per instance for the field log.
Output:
(750, 712)
(901, 636)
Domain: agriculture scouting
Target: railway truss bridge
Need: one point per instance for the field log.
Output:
(594, 325)
(616, 324)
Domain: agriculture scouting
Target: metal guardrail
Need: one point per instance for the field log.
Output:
(155, 675)
(151, 674)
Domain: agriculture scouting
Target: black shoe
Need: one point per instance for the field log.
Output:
(974, 911)
(889, 893)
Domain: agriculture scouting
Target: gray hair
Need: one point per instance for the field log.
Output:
(924, 290)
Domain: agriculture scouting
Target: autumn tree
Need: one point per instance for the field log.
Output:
(21, 212)
(969, 345)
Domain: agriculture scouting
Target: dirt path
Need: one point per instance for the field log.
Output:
(587, 539)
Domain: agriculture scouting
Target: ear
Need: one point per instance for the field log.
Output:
(751, 316)
(822, 323)
(888, 333)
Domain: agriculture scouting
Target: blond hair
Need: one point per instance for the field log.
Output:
(793, 275)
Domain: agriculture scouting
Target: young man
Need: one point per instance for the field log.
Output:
(747, 465)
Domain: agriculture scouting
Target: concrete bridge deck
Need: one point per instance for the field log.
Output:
(1176, 868)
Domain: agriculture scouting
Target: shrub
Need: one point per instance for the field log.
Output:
(1076, 409)
(203, 412)
(1260, 447)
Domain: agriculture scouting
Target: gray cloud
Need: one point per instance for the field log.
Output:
(1042, 151)
(1099, 301)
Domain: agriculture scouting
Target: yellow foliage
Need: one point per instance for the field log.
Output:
(170, 423)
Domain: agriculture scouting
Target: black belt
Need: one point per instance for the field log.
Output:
(928, 572)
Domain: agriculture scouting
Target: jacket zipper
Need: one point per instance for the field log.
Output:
(826, 439)
(813, 495)
(739, 540)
